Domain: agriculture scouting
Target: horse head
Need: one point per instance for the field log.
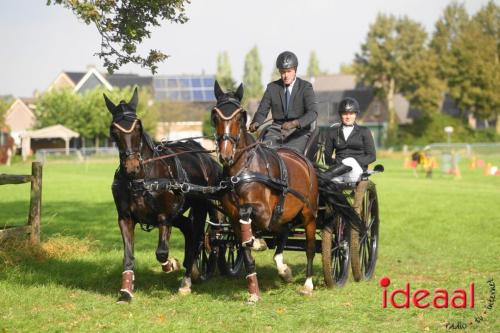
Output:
(126, 131)
(229, 120)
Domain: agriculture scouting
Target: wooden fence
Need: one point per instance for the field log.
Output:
(33, 225)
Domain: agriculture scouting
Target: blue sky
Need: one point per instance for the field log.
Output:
(38, 41)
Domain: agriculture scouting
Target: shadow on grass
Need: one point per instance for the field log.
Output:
(99, 270)
(103, 276)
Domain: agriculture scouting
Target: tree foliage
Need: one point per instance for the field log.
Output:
(224, 74)
(124, 24)
(87, 114)
(5, 103)
(252, 74)
(453, 21)
(313, 69)
(469, 49)
(395, 59)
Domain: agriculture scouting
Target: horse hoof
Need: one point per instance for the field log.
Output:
(286, 275)
(125, 298)
(183, 291)
(305, 292)
(259, 244)
(253, 299)
(170, 266)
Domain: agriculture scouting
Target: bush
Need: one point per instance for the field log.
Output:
(427, 130)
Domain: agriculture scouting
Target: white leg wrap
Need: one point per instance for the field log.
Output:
(246, 222)
(309, 284)
(128, 292)
(248, 241)
(279, 263)
(251, 274)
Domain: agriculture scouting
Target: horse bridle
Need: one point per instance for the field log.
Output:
(226, 135)
(129, 154)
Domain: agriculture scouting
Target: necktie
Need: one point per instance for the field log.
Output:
(287, 100)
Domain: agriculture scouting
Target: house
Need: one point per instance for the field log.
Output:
(20, 117)
(83, 81)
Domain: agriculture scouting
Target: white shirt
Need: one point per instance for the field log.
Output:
(290, 87)
(347, 130)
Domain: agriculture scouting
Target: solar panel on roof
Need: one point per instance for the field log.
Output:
(186, 88)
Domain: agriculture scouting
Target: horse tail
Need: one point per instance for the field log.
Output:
(332, 194)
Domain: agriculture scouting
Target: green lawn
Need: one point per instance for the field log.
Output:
(435, 233)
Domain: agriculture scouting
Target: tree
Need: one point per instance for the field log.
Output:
(313, 69)
(223, 74)
(252, 75)
(5, 103)
(474, 82)
(87, 113)
(448, 27)
(347, 69)
(59, 107)
(394, 59)
(124, 24)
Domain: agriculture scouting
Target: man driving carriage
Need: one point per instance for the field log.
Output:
(293, 107)
(354, 149)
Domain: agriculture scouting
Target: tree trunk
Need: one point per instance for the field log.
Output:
(96, 142)
(393, 125)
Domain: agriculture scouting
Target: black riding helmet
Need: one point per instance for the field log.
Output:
(348, 105)
(287, 60)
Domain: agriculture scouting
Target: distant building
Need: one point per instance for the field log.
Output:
(83, 81)
(20, 117)
(187, 88)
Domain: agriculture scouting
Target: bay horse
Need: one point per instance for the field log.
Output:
(269, 191)
(145, 190)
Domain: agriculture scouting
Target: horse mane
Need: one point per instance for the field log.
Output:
(184, 144)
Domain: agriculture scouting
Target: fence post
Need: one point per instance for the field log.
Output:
(35, 202)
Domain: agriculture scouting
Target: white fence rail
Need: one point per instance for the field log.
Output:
(76, 155)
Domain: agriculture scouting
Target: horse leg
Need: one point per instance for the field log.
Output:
(127, 231)
(246, 238)
(185, 226)
(164, 232)
(310, 227)
(252, 282)
(284, 271)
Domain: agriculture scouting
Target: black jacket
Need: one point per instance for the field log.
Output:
(303, 105)
(359, 145)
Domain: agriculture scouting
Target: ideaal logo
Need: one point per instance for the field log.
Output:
(423, 298)
(440, 298)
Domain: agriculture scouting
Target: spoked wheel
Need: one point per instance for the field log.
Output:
(364, 247)
(230, 260)
(206, 261)
(335, 251)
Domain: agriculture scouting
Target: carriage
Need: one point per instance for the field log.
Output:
(178, 184)
(342, 247)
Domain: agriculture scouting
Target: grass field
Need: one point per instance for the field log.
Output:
(435, 233)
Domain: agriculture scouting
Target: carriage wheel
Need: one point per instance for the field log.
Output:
(230, 260)
(364, 248)
(206, 261)
(335, 251)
